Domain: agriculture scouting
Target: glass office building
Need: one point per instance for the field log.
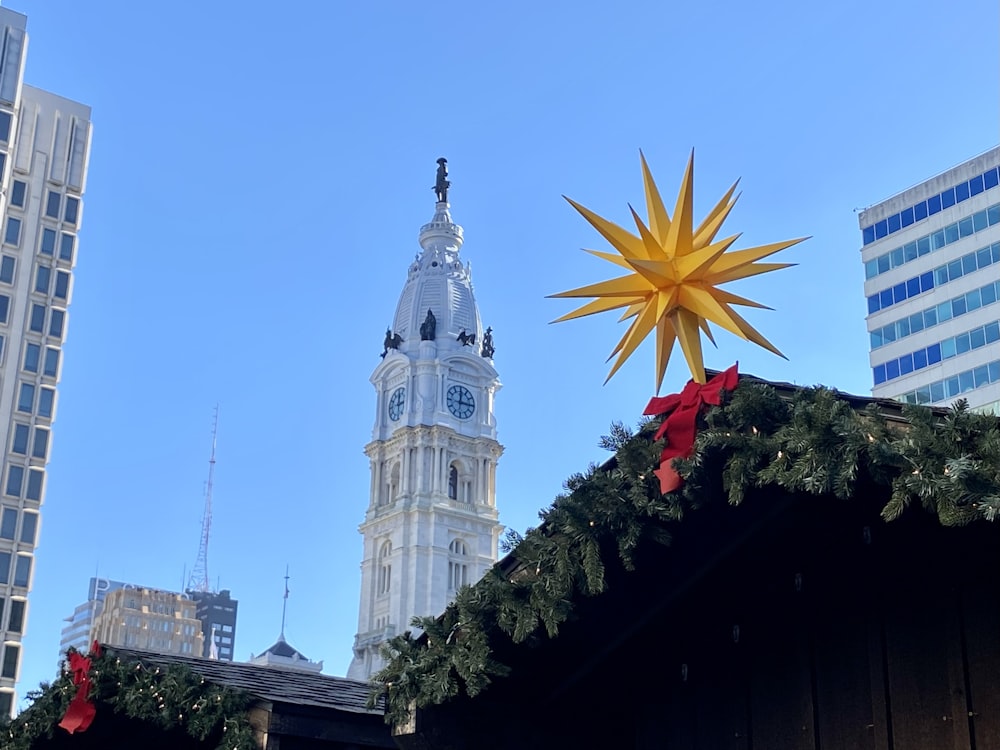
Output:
(44, 148)
(932, 282)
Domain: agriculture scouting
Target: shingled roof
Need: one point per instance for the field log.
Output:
(269, 683)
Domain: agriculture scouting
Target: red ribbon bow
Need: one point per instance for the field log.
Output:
(680, 426)
(80, 712)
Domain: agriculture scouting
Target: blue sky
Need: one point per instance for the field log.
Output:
(257, 179)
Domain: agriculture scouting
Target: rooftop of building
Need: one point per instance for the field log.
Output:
(930, 187)
(282, 647)
(269, 683)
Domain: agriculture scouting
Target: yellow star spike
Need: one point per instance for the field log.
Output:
(676, 269)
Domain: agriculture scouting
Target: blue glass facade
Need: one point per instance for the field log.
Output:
(921, 210)
(956, 269)
(964, 227)
(920, 321)
(949, 348)
(954, 386)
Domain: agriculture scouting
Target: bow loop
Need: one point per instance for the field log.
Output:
(681, 423)
(81, 711)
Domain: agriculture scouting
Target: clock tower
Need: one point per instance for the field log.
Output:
(431, 522)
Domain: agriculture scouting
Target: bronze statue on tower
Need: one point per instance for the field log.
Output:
(442, 184)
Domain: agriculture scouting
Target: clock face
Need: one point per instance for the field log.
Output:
(460, 402)
(396, 402)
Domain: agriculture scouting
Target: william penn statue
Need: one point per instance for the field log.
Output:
(442, 184)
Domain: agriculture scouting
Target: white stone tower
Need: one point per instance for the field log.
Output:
(431, 525)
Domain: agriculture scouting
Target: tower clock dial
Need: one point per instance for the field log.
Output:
(396, 402)
(460, 402)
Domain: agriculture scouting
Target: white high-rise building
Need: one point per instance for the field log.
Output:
(78, 632)
(44, 147)
(431, 525)
(932, 279)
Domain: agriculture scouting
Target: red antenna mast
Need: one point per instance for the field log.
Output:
(199, 574)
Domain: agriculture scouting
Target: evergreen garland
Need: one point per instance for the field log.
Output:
(814, 442)
(166, 697)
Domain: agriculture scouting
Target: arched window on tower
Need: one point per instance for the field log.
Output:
(453, 482)
(458, 565)
(384, 567)
(392, 486)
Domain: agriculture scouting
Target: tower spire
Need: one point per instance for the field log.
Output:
(428, 530)
(284, 604)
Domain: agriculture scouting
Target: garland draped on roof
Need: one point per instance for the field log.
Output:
(167, 698)
(815, 442)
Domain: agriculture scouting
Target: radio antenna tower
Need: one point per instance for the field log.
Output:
(199, 573)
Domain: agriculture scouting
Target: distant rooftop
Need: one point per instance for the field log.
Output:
(270, 683)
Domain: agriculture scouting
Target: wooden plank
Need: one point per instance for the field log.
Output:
(667, 721)
(981, 616)
(722, 713)
(877, 669)
(921, 641)
(781, 705)
(844, 685)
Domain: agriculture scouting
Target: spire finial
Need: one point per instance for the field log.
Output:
(284, 604)
(442, 184)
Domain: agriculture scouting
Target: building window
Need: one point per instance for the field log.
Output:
(26, 399)
(51, 367)
(453, 482)
(62, 285)
(458, 568)
(31, 354)
(66, 243)
(22, 570)
(4, 307)
(40, 446)
(37, 321)
(52, 204)
(5, 122)
(29, 525)
(384, 568)
(42, 279)
(48, 242)
(35, 480)
(8, 523)
(392, 488)
(6, 702)
(72, 210)
(46, 402)
(5, 567)
(20, 445)
(15, 478)
(18, 193)
(56, 323)
(11, 653)
(15, 620)
(7, 269)
(12, 235)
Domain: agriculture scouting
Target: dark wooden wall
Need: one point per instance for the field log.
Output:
(855, 635)
(798, 624)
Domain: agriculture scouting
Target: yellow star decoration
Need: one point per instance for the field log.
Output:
(675, 275)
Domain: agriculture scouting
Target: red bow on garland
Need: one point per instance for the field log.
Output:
(81, 711)
(681, 426)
